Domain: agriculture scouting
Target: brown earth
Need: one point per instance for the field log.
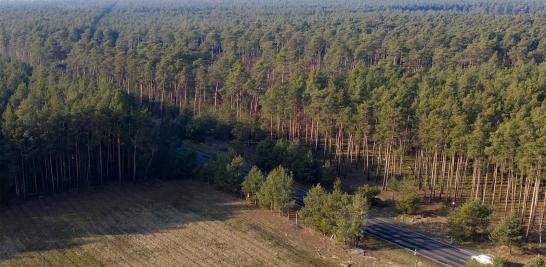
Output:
(180, 223)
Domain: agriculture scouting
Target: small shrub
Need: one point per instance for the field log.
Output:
(408, 199)
(508, 232)
(369, 191)
(470, 221)
(538, 261)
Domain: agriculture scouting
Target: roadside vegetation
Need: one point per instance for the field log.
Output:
(470, 222)
(336, 214)
(536, 262)
(508, 232)
(408, 196)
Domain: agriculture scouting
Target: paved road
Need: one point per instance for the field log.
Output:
(439, 252)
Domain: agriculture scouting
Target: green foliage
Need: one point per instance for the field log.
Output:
(353, 219)
(536, 262)
(336, 213)
(328, 174)
(226, 169)
(266, 156)
(247, 129)
(292, 155)
(211, 125)
(451, 80)
(316, 211)
(368, 191)
(178, 125)
(5, 172)
(408, 198)
(168, 163)
(277, 190)
(233, 176)
(253, 183)
(76, 122)
(508, 231)
(470, 221)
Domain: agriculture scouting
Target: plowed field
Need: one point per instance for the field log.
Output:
(182, 223)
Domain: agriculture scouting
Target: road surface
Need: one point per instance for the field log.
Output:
(434, 250)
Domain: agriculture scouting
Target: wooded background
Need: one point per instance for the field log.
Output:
(451, 93)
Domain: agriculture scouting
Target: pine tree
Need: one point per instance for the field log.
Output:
(408, 199)
(508, 232)
(335, 214)
(277, 191)
(253, 183)
(227, 170)
(313, 213)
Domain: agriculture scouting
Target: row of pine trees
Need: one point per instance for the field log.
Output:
(66, 134)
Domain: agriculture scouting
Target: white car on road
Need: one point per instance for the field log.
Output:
(483, 259)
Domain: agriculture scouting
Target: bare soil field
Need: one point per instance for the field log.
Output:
(179, 223)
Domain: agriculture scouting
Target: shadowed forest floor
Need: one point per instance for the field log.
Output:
(181, 223)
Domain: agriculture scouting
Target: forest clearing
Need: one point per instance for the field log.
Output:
(139, 226)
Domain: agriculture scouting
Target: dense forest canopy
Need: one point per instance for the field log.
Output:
(459, 86)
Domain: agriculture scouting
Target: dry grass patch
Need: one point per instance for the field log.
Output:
(181, 223)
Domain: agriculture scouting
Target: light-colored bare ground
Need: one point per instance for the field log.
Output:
(182, 223)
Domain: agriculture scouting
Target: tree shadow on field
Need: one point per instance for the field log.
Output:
(64, 222)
